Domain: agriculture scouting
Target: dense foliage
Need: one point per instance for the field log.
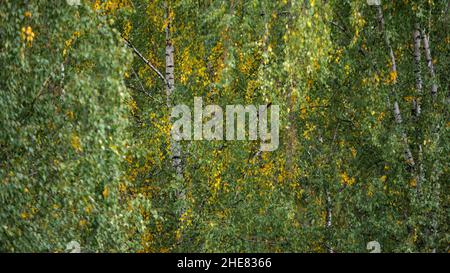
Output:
(86, 152)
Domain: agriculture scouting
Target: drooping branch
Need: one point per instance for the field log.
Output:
(147, 62)
(142, 88)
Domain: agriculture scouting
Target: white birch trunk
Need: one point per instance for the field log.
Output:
(397, 113)
(434, 90)
(417, 71)
(175, 147)
(170, 86)
(417, 101)
(430, 65)
(329, 219)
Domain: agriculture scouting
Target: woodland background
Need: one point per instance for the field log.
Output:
(85, 149)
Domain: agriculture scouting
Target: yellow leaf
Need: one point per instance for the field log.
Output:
(393, 76)
(413, 183)
(75, 142)
(105, 192)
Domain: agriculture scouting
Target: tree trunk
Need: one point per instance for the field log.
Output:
(430, 65)
(434, 90)
(175, 146)
(417, 72)
(417, 102)
(170, 86)
(397, 113)
(329, 220)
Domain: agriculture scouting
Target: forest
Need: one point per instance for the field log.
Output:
(356, 91)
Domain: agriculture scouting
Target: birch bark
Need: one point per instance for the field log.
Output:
(329, 220)
(170, 87)
(417, 101)
(430, 65)
(434, 90)
(417, 71)
(397, 113)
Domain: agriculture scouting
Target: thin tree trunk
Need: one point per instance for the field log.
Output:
(329, 219)
(170, 79)
(328, 201)
(434, 90)
(417, 102)
(430, 65)
(170, 87)
(417, 71)
(397, 113)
